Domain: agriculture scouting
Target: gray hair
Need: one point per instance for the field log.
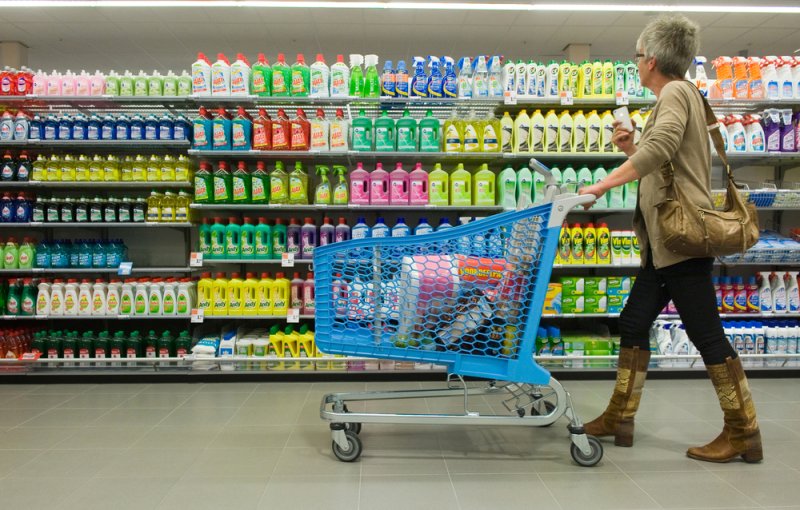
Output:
(673, 40)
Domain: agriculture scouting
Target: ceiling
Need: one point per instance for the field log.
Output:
(169, 38)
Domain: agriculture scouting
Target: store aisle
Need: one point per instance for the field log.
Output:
(259, 446)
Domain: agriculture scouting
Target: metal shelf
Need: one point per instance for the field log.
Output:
(352, 207)
(117, 144)
(252, 317)
(92, 317)
(214, 262)
(674, 316)
(96, 184)
(84, 270)
(636, 266)
(37, 224)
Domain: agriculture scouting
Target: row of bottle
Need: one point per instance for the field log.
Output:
(584, 80)
(775, 292)
(80, 253)
(15, 342)
(154, 297)
(781, 130)
(221, 296)
(587, 244)
(112, 168)
(112, 84)
(24, 127)
(266, 240)
(58, 344)
(751, 77)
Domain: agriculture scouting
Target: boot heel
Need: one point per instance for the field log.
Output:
(623, 436)
(753, 455)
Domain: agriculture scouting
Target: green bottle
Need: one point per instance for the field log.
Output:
(233, 243)
(298, 185)
(28, 299)
(341, 192)
(86, 345)
(322, 195)
(101, 345)
(117, 345)
(438, 186)
(53, 345)
(218, 235)
(27, 253)
(372, 80)
(183, 344)
(430, 138)
(263, 239)
(242, 184)
(356, 76)
(301, 77)
(13, 303)
(38, 344)
(69, 345)
(223, 184)
(151, 345)
(11, 254)
(259, 185)
(247, 242)
(278, 239)
(385, 139)
(407, 133)
(362, 132)
(261, 77)
(166, 346)
(279, 185)
(281, 77)
(204, 238)
(133, 346)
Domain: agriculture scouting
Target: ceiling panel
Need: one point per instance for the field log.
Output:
(739, 20)
(583, 19)
(541, 18)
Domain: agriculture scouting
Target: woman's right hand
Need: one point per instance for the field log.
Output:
(623, 138)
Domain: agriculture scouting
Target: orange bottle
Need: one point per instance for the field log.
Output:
(756, 80)
(723, 87)
(301, 132)
(741, 82)
(281, 132)
(262, 131)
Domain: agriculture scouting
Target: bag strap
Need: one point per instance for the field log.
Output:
(716, 137)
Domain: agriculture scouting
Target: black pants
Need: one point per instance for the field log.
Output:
(689, 286)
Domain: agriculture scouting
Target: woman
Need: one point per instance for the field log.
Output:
(676, 132)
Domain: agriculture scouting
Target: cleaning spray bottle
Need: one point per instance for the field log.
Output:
(464, 82)
(435, 84)
(372, 80)
(322, 194)
(356, 75)
(419, 82)
(341, 193)
(450, 86)
(388, 80)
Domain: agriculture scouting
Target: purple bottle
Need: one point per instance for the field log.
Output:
(308, 239)
(788, 140)
(327, 232)
(342, 231)
(293, 238)
(772, 130)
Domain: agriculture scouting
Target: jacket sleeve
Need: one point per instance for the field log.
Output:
(665, 135)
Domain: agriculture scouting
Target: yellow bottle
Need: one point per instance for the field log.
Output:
(603, 244)
(608, 78)
(235, 294)
(97, 169)
(585, 79)
(490, 134)
(182, 211)
(139, 169)
(39, 172)
(574, 80)
(126, 169)
(82, 168)
(507, 133)
(597, 78)
(111, 169)
(590, 244)
(168, 206)
(565, 127)
(219, 295)
(68, 168)
(305, 346)
(205, 294)
(250, 295)
(522, 133)
(563, 76)
(281, 290)
(453, 131)
(154, 168)
(275, 348)
(576, 233)
(638, 125)
(290, 348)
(168, 168)
(551, 132)
(182, 169)
(264, 294)
(472, 141)
(54, 168)
(154, 206)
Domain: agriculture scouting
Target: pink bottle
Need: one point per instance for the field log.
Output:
(68, 84)
(359, 186)
(82, 84)
(39, 83)
(53, 84)
(399, 181)
(379, 186)
(97, 84)
(309, 296)
(419, 186)
(296, 295)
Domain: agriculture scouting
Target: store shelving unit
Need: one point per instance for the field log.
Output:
(127, 224)
(95, 184)
(97, 270)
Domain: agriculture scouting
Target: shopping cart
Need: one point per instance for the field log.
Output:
(468, 298)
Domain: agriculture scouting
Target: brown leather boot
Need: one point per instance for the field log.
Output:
(617, 420)
(740, 435)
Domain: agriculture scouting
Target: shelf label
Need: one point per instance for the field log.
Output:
(197, 315)
(287, 259)
(566, 98)
(622, 98)
(29, 356)
(196, 259)
(293, 316)
(125, 268)
(509, 97)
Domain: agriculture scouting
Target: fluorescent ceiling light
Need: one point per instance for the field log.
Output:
(439, 6)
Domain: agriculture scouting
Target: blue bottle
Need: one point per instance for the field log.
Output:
(419, 84)
(450, 87)
(444, 224)
(151, 127)
(221, 131)
(84, 253)
(7, 212)
(181, 128)
(74, 254)
(137, 127)
(435, 80)
(202, 130)
(22, 209)
(42, 257)
(380, 229)
(388, 80)
(360, 230)
(79, 127)
(400, 228)
(59, 258)
(123, 127)
(64, 128)
(93, 127)
(108, 129)
(36, 128)
(166, 127)
(241, 131)
(51, 127)
(423, 227)
(99, 254)
(401, 79)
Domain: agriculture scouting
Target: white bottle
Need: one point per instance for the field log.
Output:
(201, 76)
(639, 122)
(85, 298)
(99, 292)
(579, 132)
(480, 79)
(320, 78)
(792, 292)
(738, 136)
(126, 297)
(796, 77)
(185, 299)
(755, 135)
(240, 76)
(723, 131)
(113, 297)
(71, 298)
(700, 78)
(340, 78)
(465, 78)
(524, 188)
(765, 292)
(320, 137)
(538, 128)
(778, 292)
(551, 132)
(57, 298)
(569, 180)
(170, 295)
(510, 77)
(521, 74)
(769, 76)
(140, 301)
(551, 80)
(155, 299)
(43, 299)
(785, 81)
(495, 77)
(607, 133)
(221, 77)
(594, 128)
(531, 79)
(522, 133)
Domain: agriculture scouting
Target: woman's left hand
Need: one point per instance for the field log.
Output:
(595, 189)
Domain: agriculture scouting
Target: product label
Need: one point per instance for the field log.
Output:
(239, 189)
(490, 143)
(279, 138)
(337, 137)
(299, 140)
(278, 83)
(298, 84)
(278, 190)
(258, 191)
(200, 189)
(200, 138)
(470, 139)
(580, 139)
(565, 137)
(221, 193)
(259, 82)
(361, 139)
(318, 138)
(239, 138)
(338, 85)
(220, 138)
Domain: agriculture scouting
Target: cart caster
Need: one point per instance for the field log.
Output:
(591, 459)
(354, 450)
(353, 427)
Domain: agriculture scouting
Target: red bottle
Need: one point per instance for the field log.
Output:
(281, 132)
(301, 132)
(7, 82)
(262, 131)
(24, 82)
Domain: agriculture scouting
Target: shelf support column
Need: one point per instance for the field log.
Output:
(13, 54)
(577, 52)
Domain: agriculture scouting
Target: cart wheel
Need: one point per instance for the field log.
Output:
(549, 407)
(353, 427)
(591, 459)
(351, 454)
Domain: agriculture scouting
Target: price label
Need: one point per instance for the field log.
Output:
(566, 98)
(622, 98)
(197, 315)
(287, 259)
(30, 356)
(196, 259)
(509, 97)
(125, 268)
(293, 315)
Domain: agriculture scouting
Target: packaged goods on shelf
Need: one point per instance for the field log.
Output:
(111, 168)
(264, 296)
(79, 127)
(768, 77)
(15, 342)
(15, 170)
(67, 344)
(771, 247)
(84, 84)
(78, 253)
(587, 244)
(551, 342)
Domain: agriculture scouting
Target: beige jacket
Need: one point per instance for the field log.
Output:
(676, 131)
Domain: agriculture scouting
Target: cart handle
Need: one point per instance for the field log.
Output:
(551, 187)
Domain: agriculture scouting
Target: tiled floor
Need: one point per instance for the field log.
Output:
(263, 446)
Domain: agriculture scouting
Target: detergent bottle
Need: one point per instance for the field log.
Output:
(579, 132)
(301, 77)
(309, 239)
(264, 294)
(281, 78)
(435, 82)
(242, 131)
(219, 295)
(385, 133)
(327, 232)
(483, 188)
(565, 129)
(322, 193)
(362, 132)
(464, 80)
(460, 187)
(223, 184)
(298, 185)
(261, 77)
(490, 134)
(234, 294)
(281, 290)
(201, 77)
(338, 132)
(262, 131)
(506, 187)
(339, 78)
(603, 244)
(472, 134)
(356, 85)
(300, 132)
(320, 78)
(406, 129)
(453, 134)
(221, 126)
(320, 129)
(551, 129)
(360, 186)
(341, 193)
(281, 132)
(522, 135)
(279, 185)
(607, 133)
(379, 186)
(418, 186)
(372, 80)
(250, 295)
(279, 239)
(590, 241)
(399, 188)
(221, 76)
(524, 188)
(506, 133)
(401, 79)
(263, 239)
(233, 243)
(429, 133)
(419, 82)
